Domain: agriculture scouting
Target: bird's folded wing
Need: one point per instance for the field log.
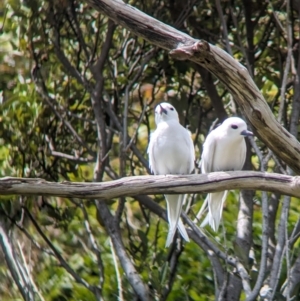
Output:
(189, 142)
(150, 152)
(208, 153)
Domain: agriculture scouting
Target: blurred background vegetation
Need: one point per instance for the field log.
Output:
(77, 94)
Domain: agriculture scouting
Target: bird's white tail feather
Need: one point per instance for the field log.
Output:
(174, 205)
(215, 208)
(182, 230)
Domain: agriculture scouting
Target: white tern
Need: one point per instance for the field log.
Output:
(171, 151)
(224, 149)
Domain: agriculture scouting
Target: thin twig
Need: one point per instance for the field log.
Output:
(133, 147)
(287, 64)
(11, 262)
(28, 274)
(72, 158)
(264, 252)
(288, 263)
(137, 127)
(99, 104)
(93, 242)
(118, 275)
(242, 48)
(224, 26)
(279, 253)
(144, 63)
(42, 90)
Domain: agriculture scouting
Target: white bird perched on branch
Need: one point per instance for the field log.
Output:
(171, 151)
(224, 149)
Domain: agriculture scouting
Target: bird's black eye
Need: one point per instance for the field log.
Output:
(234, 126)
(171, 108)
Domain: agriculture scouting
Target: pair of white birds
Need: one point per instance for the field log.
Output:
(171, 151)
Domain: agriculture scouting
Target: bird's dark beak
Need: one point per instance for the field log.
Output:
(162, 110)
(246, 133)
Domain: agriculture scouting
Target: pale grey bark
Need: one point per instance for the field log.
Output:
(139, 185)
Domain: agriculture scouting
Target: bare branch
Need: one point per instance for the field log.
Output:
(119, 278)
(244, 228)
(12, 263)
(264, 253)
(95, 247)
(27, 273)
(113, 231)
(78, 160)
(224, 26)
(287, 64)
(137, 185)
(296, 101)
(279, 253)
(245, 278)
(290, 287)
(98, 103)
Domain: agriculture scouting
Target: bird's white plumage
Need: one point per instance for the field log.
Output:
(171, 151)
(224, 149)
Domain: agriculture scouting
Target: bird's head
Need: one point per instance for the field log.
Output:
(236, 127)
(165, 112)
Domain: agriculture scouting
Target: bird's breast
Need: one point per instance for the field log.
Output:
(229, 156)
(171, 152)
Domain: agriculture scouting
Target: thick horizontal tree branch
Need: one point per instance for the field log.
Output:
(221, 64)
(142, 185)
